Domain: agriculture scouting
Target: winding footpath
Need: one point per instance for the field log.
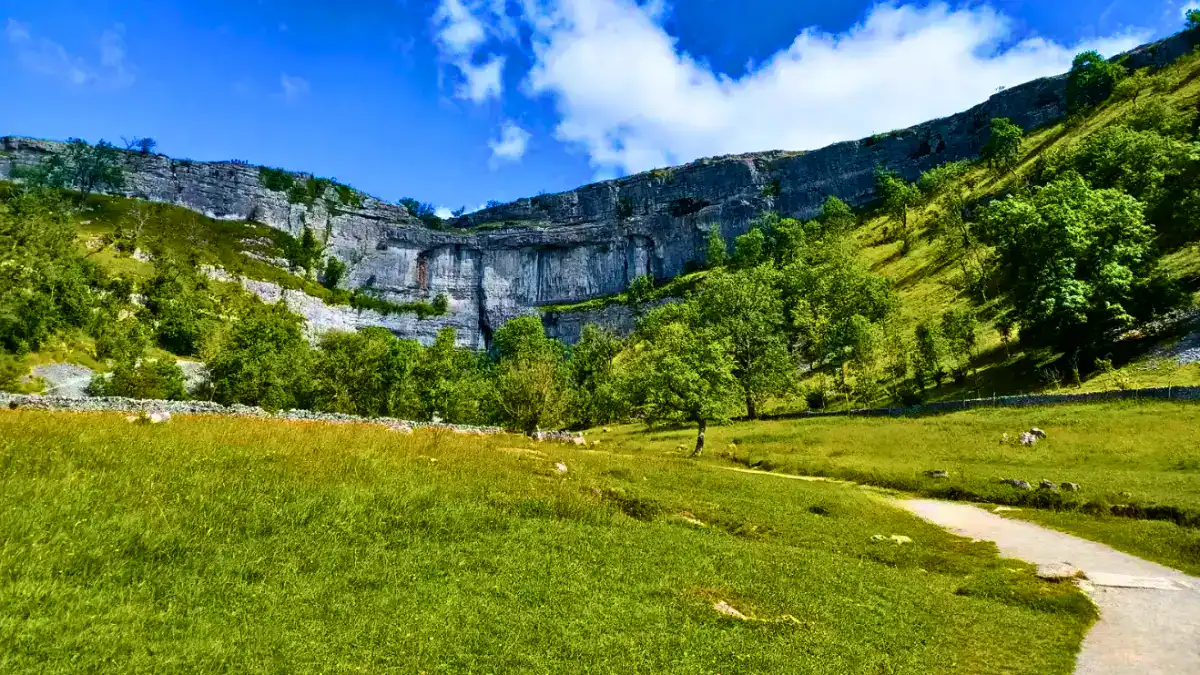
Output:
(1149, 614)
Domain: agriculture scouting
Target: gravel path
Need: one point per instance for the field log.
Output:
(64, 379)
(1149, 614)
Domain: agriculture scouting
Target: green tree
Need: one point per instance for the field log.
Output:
(1192, 19)
(1091, 80)
(640, 288)
(1003, 148)
(263, 360)
(181, 304)
(677, 369)
(597, 399)
(929, 364)
(46, 286)
(824, 285)
(836, 216)
(305, 253)
(335, 271)
(1130, 88)
(532, 385)
(451, 381)
(716, 251)
(898, 196)
(960, 329)
(79, 166)
(1076, 259)
(746, 310)
(749, 249)
(369, 373)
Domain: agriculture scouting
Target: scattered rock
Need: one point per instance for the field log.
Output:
(1059, 572)
(897, 539)
(1070, 487)
(938, 474)
(690, 519)
(729, 611)
(1004, 509)
(1017, 483)
(1048, 485)
(560, 467)
(1027, 438)
(1037, 432)
(159, 417)
(578, 440)
(1004, 438)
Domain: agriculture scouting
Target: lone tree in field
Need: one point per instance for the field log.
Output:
(1003, 147)
(679, 370)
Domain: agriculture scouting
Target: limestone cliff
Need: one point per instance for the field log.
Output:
(590, 242)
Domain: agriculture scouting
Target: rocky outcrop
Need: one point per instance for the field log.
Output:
(565, 248)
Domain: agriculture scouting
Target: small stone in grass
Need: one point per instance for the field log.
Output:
(1037, 432)
(1070, 487)
(1017, 483)
(728, 610)
(1048, 485)
(897, 539)
(1028, 439)
(1058, 572)
(938, 474)
(562, 468)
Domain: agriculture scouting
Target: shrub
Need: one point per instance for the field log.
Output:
(275, 180)
(141, 378)
(335, 271)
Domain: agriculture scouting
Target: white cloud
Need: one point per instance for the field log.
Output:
(45, 57)
(294, 88)
(481, 82)
(461, 33)
(626, 94)
(511, 145)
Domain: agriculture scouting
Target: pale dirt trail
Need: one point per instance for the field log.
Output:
(1149, 614)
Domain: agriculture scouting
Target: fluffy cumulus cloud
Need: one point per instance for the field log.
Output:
(511, 145)
(45, 57)
(628, 95)
(461, 33)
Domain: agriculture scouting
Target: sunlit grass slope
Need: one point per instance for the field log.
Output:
(1139, 460)
(228, 545)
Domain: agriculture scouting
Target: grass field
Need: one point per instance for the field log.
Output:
(1134, 458)
(229, 545)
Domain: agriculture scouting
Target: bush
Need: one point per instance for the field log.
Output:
(640, 289)
(276, 180)
(264, 360)
(335, 271)
(141, 378)
(1091, 80)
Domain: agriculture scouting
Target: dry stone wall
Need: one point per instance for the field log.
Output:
(564, 248)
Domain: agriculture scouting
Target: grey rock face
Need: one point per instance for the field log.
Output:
(508, 260)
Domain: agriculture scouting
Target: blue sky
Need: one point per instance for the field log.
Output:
(457, 102)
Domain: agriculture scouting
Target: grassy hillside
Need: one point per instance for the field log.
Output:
(235, 545)
(1137, 463)
(929, 287)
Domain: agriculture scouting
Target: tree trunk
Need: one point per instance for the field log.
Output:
(703, 424)
(751, 410)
